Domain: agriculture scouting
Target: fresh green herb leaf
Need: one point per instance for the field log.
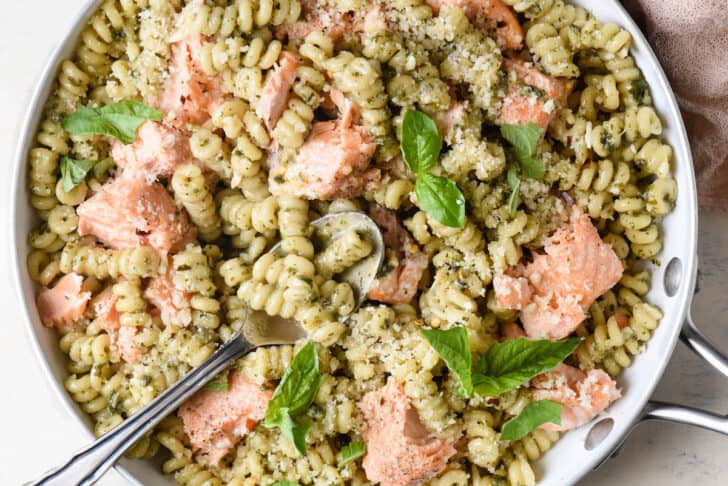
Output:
(73, 172)
(524, 139)
(119, 120)
(509, 364)
(533, 416)
(454, 348)
(293, 395)
(442, 199)
(219, 383)
(515, 184)
(292, 429)
(351, 452)
(421, 142)
(531, 168)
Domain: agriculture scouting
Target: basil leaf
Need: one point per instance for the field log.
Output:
(510, 364)
(219, 383)
(524, 139)
(515, 184)
(293, 430)
(533, 416)
(73, 172)
(531, 168)
(294, 394)
(421, 142)
(351, 452)
(442, 199)
(453, 347)
(119, 120)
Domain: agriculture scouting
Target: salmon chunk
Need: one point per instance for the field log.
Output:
(512, 292)
(173, 304)
(190, 95)
(400, 450)
(104, 306)
(446, 121)
(64, 303)
(157, 151)
(276, 90)
(128, 212)
(577, 267)
(216, 420)
(511, 330)
(582, 395)
(532, 95)
(399, 285)
(333, 163)
(125, 342)
(493, 16)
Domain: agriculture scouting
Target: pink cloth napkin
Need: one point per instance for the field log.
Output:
(690, 38)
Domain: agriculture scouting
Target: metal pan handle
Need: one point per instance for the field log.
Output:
(693, 338)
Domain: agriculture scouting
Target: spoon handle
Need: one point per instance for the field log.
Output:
(89, 464)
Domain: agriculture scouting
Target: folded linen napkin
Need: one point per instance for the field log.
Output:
(690, 38)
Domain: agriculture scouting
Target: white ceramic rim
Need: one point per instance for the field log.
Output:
(568, 461)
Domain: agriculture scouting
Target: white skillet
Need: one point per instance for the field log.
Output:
(579, 451)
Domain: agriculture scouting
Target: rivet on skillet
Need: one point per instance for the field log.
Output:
(673, 276)
(598, 433)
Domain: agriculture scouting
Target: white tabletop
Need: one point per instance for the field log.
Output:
(37, 433)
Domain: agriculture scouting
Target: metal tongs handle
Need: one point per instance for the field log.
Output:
(89, 464)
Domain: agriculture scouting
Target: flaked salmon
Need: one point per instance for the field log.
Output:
(128, 212)
(447, 120)
(556, 289)
(511, 330)
(399, 285)
(532, 95)
(173, 304)
(104, 307)
(215, 420)
(64, 303)
(157, 151)
(582, 395)
(400, 450)
(125, 342)
(276, 90)
(334, 161)
(190, 95)
(493, 16)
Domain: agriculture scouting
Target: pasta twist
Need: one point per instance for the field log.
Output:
(102, 263)
(361, 78)
(342, 253)
(482, 440)
(295, 122)
(550, 50)
(245, 215)
(42, 177)
(190, 187)
(131, 304)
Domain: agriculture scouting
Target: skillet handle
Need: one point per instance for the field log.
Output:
(680, 414)
(693, 338)
(703, 347)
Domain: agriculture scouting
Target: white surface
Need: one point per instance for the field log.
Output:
(39, 434)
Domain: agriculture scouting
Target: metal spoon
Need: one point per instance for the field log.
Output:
(89, 464)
